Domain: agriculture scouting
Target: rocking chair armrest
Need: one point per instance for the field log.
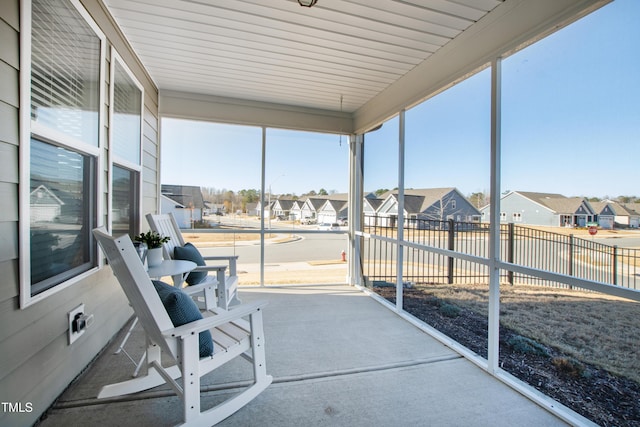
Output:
(221, 257)
(210, 268)
(232, 259)
(197, 288)
(223, 317)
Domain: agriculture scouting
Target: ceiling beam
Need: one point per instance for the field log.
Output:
(252, 113)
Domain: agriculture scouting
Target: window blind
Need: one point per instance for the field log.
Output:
(65, 58)
(126, 121)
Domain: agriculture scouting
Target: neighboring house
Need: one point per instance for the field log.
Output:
(617, 215)
(544, 209)
(189, 198)
(213, 208)
(180, 213)
(296, 210)
(45, 206)
(370, 207)
(331, 210)
(266, 210)
(252, 209)
(626, 214)
(282, 207)
(634, 214)
(606, 214)
(314, 204)
(311, 206)
(438, 204)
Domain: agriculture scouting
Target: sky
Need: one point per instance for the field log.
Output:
(570, 125)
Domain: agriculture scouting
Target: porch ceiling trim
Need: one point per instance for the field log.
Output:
(252, 113)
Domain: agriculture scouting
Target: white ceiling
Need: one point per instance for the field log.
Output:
(339, 55)
(278, 51)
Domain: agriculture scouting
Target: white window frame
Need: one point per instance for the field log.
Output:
(114, 159)
(29, 128)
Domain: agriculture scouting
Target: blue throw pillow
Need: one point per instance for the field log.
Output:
(181, 310)
(189, 252)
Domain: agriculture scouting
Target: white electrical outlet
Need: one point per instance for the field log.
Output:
(75, 331)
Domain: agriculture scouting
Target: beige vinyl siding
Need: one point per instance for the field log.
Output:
(150, 158)
(36, 362)
(9, 140)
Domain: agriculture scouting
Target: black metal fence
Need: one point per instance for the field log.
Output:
(526, 246)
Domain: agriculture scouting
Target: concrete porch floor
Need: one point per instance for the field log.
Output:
(338, 358)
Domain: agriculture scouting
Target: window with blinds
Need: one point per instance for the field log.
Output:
(65, 126)
(65, 71)
(126, 118)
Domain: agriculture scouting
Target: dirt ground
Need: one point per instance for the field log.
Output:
(599, 395)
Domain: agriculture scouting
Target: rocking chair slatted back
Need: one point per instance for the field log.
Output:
(225, 273)
(137, 286)
(167, 225)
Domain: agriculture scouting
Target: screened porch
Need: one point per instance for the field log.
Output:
(407, 95)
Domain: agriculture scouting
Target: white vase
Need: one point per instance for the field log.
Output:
(154, 257)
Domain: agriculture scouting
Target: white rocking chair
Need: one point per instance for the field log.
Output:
(227, 281)
(232, 336)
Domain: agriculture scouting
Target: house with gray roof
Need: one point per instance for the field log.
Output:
(438, 204)
(295, 214)
(252, 209)
(331, 210)
(312, 205)
(617, 215)
(606, 214)
(544, 209)
(626, 215)
(282, 207)
(184, 201)
(265, 209)
(369, 208)
(179, 211)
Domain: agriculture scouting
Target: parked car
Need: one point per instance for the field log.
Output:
(307, 220)
(343, 220)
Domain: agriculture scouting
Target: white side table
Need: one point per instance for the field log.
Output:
(177, 269)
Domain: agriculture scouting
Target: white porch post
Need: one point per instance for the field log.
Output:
(262, 188)
(354, 214)
(494, 224)
(400, 236)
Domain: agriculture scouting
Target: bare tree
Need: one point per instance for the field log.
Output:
(479, 199)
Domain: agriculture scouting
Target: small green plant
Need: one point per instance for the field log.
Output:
(527, 346)
(449, 310)
(152, 239)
